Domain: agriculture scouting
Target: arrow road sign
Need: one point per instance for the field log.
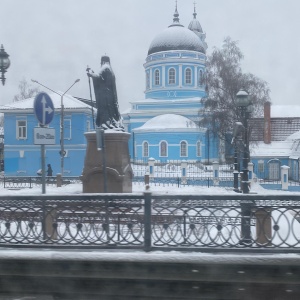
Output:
(43, 108)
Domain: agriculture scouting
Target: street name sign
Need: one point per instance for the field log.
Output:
(43, 108)
(44, 136)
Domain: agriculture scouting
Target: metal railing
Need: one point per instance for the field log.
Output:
(152, 222)
(20, 182)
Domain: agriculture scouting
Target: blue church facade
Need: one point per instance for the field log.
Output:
(23, 158)
(164, 124)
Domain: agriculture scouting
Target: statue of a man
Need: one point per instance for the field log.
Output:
(108, 115)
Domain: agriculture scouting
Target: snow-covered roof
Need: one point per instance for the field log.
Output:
(168, 121)
(68, 101)
(176, 38)
(275, 149)
(294, 136)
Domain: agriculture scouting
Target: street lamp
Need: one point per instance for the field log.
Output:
(243, 103)
(4, 63)
(62, 151)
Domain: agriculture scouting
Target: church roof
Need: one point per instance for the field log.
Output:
(176, 37)
(168, 121)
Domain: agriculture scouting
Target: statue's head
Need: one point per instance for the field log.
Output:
(105, 59)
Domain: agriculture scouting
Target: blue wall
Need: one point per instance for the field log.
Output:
(23, 158)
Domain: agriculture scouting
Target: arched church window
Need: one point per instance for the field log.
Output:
(157, 77)
(198, 148)
(188, 76)
(163, 149)
(201, 78)
(147, 81)
(183, 149)
(172, 76)
(145, 149)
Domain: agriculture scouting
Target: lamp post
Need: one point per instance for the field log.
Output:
(4, 63)
(243, 103)
(62, 151)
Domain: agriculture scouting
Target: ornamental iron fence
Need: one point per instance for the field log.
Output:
(152, 222)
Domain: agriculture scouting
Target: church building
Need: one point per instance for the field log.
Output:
(164, 125)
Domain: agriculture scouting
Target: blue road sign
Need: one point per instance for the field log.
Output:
(43, 108)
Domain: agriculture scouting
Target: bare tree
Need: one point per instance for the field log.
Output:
(25, 91)
(224, 78)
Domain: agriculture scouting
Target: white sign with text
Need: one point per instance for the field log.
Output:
(44, 136)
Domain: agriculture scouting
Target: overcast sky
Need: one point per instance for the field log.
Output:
(54, 41)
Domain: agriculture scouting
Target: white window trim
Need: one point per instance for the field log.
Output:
(143, 149)
(185, 76)
(187, 147)
(70, 136)
(160, 154)
(169, 81)
(18, 131)
(156, 71)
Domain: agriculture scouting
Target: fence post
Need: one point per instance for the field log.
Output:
(58, 180)
(216, 172)
(183, 167)
(263, 226)
(250, 172)
(285, 178)
(151, 162)
(146, 179)
(147, 221)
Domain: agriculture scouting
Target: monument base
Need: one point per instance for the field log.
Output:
(118, 169)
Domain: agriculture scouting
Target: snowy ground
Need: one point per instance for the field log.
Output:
(140, 188)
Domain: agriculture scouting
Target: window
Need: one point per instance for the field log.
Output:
(260, 166)
(163, 149)
(201, 78)
(145, 149)
(21, 129)
(67, 129)
(147, 81)
(183, 149)
(172, 76)
(198, 148)
(188, 76)
(157, 77)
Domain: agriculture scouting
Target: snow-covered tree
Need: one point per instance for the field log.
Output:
(25, 91)
(224, 78)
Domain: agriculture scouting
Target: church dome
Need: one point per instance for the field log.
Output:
(195, 24)
(176, 37)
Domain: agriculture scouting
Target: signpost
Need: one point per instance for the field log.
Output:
(44, 112)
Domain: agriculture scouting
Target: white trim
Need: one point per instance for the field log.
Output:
(187, 148)
(18, 136)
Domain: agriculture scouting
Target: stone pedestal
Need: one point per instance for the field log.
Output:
(118, 169)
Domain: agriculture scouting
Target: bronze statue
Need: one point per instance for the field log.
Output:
(108, 115)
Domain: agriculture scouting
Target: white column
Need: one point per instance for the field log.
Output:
(150, 75)
(195, 77)
(151, 162)
(216, 172)
(163, 76)
(180, 75)
(183, 171)
(285, 178)
(250, 172)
